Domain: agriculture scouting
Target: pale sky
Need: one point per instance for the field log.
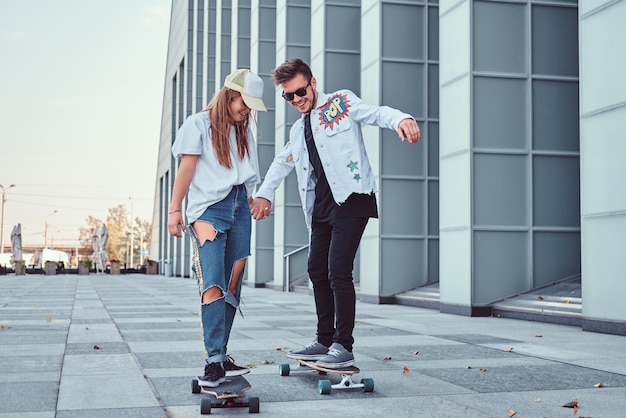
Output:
(81, 94)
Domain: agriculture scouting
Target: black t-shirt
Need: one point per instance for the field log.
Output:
(358, 205)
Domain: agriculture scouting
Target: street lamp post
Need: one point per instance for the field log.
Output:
(4, 189)
(132, 232)
(45, 234)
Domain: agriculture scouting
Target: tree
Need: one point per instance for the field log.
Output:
(119, 234)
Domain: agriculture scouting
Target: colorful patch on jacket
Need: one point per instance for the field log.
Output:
(334, 110)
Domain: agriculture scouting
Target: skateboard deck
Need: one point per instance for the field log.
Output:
(227, 395)
(340, 370)
(324, 387)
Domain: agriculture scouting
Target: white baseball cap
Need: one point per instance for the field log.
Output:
(249, 85)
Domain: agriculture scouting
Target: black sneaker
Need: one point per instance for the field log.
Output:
(213, 375)
(231, 369)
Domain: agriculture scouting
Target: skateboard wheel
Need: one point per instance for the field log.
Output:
(205, 406)
(253, 405)
(283, 369)
(195, 387)
(324, 387)
(368, 384)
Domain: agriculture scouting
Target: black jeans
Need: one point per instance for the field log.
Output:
(331, 261)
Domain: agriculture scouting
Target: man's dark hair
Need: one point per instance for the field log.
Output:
(289, 69)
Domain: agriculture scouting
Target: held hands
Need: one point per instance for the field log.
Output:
(260, 208)
(409, 130)
(174, 220)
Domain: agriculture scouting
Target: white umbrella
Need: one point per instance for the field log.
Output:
(104, 236)
(16, 242)
(97, 251)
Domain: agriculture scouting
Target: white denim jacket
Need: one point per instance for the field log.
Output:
(336, 124)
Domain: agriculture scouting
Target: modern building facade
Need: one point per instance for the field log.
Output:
(516, 184)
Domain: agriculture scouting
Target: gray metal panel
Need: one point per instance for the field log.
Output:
(556, 255)
(404, 32)
(500, 113)
(500, 37)
(500, 190)
(555, 40)
(403, 207)
(501, 265)
(555, 115)
(556, 191)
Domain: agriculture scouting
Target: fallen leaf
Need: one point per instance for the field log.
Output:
(568, 301)
(3, 326)
(267, 362)
(281, 348)
(539, 297)
(508, 350)
(387, 358)
(572, 404)
(416, 353)
(96, 347)
(405, 370)
(482, 370)
(538, 336)
(537, 400)
(512, 413)
(86, 328)
(598, 385)
(48, 318)
(250, 366)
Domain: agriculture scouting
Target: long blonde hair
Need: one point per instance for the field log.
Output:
(221, 121)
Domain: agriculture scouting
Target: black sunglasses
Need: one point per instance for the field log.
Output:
(301, 92)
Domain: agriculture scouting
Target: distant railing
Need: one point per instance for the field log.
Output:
(295, 266)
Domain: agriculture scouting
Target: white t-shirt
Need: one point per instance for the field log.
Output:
(212, 182)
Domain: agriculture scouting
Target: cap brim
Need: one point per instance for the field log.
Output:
(254, 103)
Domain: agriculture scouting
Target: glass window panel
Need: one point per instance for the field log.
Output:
(433, 91)
(298, 25)
(399, 158)
(403, 87)
(556, 256)
(342, 71)
(433, 207)
(431, 138)
(433, 33)
(500, 37)
(402, 207)
(555, 115)
(403, 31)
(555, 40)
(343, 28)
(500, 119)
(500, 190)
(556, 191)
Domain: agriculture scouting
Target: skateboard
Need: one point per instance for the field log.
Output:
(324, 387)
(227, 395)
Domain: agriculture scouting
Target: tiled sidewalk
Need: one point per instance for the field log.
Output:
(128, 346)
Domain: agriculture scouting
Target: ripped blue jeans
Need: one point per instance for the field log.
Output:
(213, 263)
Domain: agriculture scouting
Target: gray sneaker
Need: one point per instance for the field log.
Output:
(336, 358)
(312, 351)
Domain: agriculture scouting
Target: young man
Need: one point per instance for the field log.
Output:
(337, 191)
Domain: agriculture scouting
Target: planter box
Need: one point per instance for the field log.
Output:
(19, 269)
(83, 270)
(50, 268)
(115, 267)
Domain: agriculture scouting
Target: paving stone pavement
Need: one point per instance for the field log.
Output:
(128, 346)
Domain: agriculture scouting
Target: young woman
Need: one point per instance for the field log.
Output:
(218, 172)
